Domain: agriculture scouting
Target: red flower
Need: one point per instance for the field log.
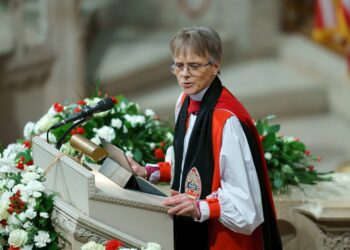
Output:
(20, 165)
(81, 103)
(14, 248)
(113, 244)
(29, 163)
(162, 144)
(77, 110)
(307, 152)
(80, 130)
(115, 101)
(27, 144)
(16, 204)
(159, 154)
(3, 222)
(311, 168)
(58, 107)
(21, 158)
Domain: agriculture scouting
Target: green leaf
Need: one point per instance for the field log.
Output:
(274, 128)
(137, 155)
(269, 141)
(287, 169)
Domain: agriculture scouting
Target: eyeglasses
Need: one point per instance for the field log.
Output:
(192, 68)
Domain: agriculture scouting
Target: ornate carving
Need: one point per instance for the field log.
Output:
(64, 244)
(84, 234)
(129, 203)
(63, 221)
(336, 240)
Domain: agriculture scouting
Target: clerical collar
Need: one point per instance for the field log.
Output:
(199, 95)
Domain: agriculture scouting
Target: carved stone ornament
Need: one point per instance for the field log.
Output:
(194, 9)
(336, 240)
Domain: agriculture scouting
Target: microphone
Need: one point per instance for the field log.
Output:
(87, 111)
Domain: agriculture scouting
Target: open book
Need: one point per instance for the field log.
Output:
(117, 168)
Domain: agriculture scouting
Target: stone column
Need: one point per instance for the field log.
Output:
(65, 39)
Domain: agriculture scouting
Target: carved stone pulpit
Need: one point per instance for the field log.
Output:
(89, 206)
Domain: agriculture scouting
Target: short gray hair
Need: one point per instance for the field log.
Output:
(202, 41)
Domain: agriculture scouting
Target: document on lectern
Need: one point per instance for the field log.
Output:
(117, 168)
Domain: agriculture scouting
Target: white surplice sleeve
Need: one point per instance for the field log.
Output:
(239, 195)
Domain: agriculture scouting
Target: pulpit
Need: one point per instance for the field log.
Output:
(90, 206)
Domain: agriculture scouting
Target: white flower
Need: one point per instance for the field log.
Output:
(10, 183)
(52, 111)
(41, 239)
(13, 221)
(106, 133)
(135, 120)
(52, 138)
(27, 225)
(45, 123)
(44, 215)
(149, 112)
(169, 136)
(11, 152)
(3, 209)
(152, 246)
(96, 140)
(31, 202)
(29, 176)
(125, 129)
(18, 238)
(92, 246)
(36, 194)
(122, 106)
(6, 169)
(129, 154)
(288, 139)
(33, 186)
(117, 123)
(268, 156)
(152, 145)
(92, 102)
(27, 247)
(22, 216)
(28, 130)
(67, 148)
(30, 213)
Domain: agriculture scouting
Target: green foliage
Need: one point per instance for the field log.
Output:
(288, 160)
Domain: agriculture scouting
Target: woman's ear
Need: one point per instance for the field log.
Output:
(216, 67)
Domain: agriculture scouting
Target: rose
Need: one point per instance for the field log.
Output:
(3, 209)
(152, 246)
(18, 238)
(113, 245)
(45, 123)
(106, 133)
(92, 246)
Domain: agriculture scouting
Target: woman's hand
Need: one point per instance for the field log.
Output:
(182, 204)
(137, 168)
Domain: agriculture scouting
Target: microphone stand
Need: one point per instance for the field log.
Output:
(61, 140)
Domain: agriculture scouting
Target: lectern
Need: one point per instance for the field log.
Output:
(134, 217)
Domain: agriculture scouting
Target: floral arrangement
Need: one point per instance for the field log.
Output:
(142, 136)
(288, 160)
(117, 245)
(24, 207)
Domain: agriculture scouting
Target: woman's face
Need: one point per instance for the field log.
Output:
(194, 73)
